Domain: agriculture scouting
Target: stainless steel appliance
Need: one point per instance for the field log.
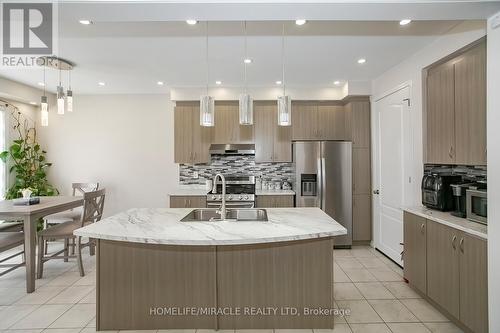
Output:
(240, 192)
(323, 178)
(437, 192)
(477, 205)
(232, 149)
(459, 206)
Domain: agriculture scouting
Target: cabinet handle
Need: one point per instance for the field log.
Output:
(453, 240)
(462, 245)
(422, 228)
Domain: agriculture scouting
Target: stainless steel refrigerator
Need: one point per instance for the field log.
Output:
(323, 178)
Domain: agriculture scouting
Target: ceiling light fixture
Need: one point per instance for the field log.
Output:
(300, 22)
(33, 103)
(405, 22)
(284, 101)
(69, 95)
(44, 105)
(336, 83)
(246, 101)
(102, 84)
(207, 102)
(278, 82)
(361, 61)
(41, 84)
(191, 22)
(160, 83)
(85, 22)
(218, 82)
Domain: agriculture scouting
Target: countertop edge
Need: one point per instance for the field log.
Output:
(418, 211)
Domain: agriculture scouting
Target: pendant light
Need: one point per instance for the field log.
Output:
(60, 96)
(246, 101)
(284, 101)
(44, 105)
(207, 102)
(69, 95)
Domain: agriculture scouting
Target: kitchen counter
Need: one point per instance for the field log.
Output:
(446, 218)
(189, 190)
(274, 192)
(163, 226)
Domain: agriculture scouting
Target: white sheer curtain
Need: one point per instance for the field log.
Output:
(3, 169)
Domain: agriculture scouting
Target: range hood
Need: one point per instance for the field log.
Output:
(232, 149)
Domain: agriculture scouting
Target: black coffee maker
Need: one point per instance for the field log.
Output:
(459, 199)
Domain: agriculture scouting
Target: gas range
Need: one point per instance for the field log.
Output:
(240, 192)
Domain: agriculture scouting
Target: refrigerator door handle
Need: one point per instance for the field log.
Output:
(323, 183)
(320, 183)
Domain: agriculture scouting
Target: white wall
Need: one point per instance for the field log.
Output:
(125, 142)
(411, 71)
(493, 117)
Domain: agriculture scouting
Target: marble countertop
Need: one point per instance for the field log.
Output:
(163, 226)
(189, 190)
(274, 192)
(446, 218)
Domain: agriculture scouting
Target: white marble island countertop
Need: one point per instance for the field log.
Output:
(163, 226)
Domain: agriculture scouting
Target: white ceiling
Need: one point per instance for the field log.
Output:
(130, 56)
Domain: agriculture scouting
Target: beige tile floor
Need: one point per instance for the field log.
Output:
(366, 282)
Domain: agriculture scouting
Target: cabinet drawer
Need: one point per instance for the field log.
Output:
(274, 201)
(187, 201)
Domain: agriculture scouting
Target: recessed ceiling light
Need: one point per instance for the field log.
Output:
(33, 103)
(85, 22)
(41, 84)
(191, 22)
(336, 83)
(361, 61)
(160, 83)
(102, 84)
(300, 22)
(218, 83)
(247, 61)
(278, 82)
(404, 22)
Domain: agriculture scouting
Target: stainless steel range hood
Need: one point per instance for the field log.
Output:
(232, 149)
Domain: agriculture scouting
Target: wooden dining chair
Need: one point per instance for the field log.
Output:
(10, 240)
(69, 215)
(93, 206)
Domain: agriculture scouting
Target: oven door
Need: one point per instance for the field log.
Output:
(231, 204)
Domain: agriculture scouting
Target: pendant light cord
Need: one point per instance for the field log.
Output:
(283, 58)
(206, 54)
(44, 82)
(244, 60)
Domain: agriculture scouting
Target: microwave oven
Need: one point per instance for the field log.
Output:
(477, 205)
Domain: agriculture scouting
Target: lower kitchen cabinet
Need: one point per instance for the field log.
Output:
(274, 201)
(177, 201)
(415, 245)
(449, 266)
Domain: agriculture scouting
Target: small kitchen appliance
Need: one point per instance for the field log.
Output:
(437, 192)
(477, 205)
(459, 197)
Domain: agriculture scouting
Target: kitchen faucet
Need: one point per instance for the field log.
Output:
(222, 210)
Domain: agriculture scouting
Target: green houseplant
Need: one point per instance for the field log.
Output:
(28, 161)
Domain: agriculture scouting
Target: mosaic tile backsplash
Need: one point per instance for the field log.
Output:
(235, 164)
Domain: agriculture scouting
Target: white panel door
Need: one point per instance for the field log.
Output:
(391, 113)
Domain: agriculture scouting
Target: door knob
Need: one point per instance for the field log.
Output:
(376, 192)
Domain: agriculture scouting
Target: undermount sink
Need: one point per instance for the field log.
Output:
(234, 215)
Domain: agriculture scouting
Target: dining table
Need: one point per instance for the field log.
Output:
(30, 215)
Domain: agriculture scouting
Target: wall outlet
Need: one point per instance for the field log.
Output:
(196, 175)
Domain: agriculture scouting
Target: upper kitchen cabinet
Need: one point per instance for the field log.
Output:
(470, 106)
(455, 117)
(273, 143)
(358, 121)
(192, 141)
(319, 121)
(227, 124)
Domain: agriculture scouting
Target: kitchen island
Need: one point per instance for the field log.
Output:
(156, 272)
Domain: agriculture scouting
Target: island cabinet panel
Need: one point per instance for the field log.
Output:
(415, 251)
(443, 271)
(274, 201)
(188, 201)
(136, 282)
(191, 141)
(273, 143)
(473, 283)
(296, 274)
(227, 124)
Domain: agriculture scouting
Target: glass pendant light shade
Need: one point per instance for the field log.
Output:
(246, 109)
(207, 111)
(60, 100)
(69, 100)
(44, 111)
(284, 111)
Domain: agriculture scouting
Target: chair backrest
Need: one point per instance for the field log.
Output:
(93, 206)
(82, 188)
